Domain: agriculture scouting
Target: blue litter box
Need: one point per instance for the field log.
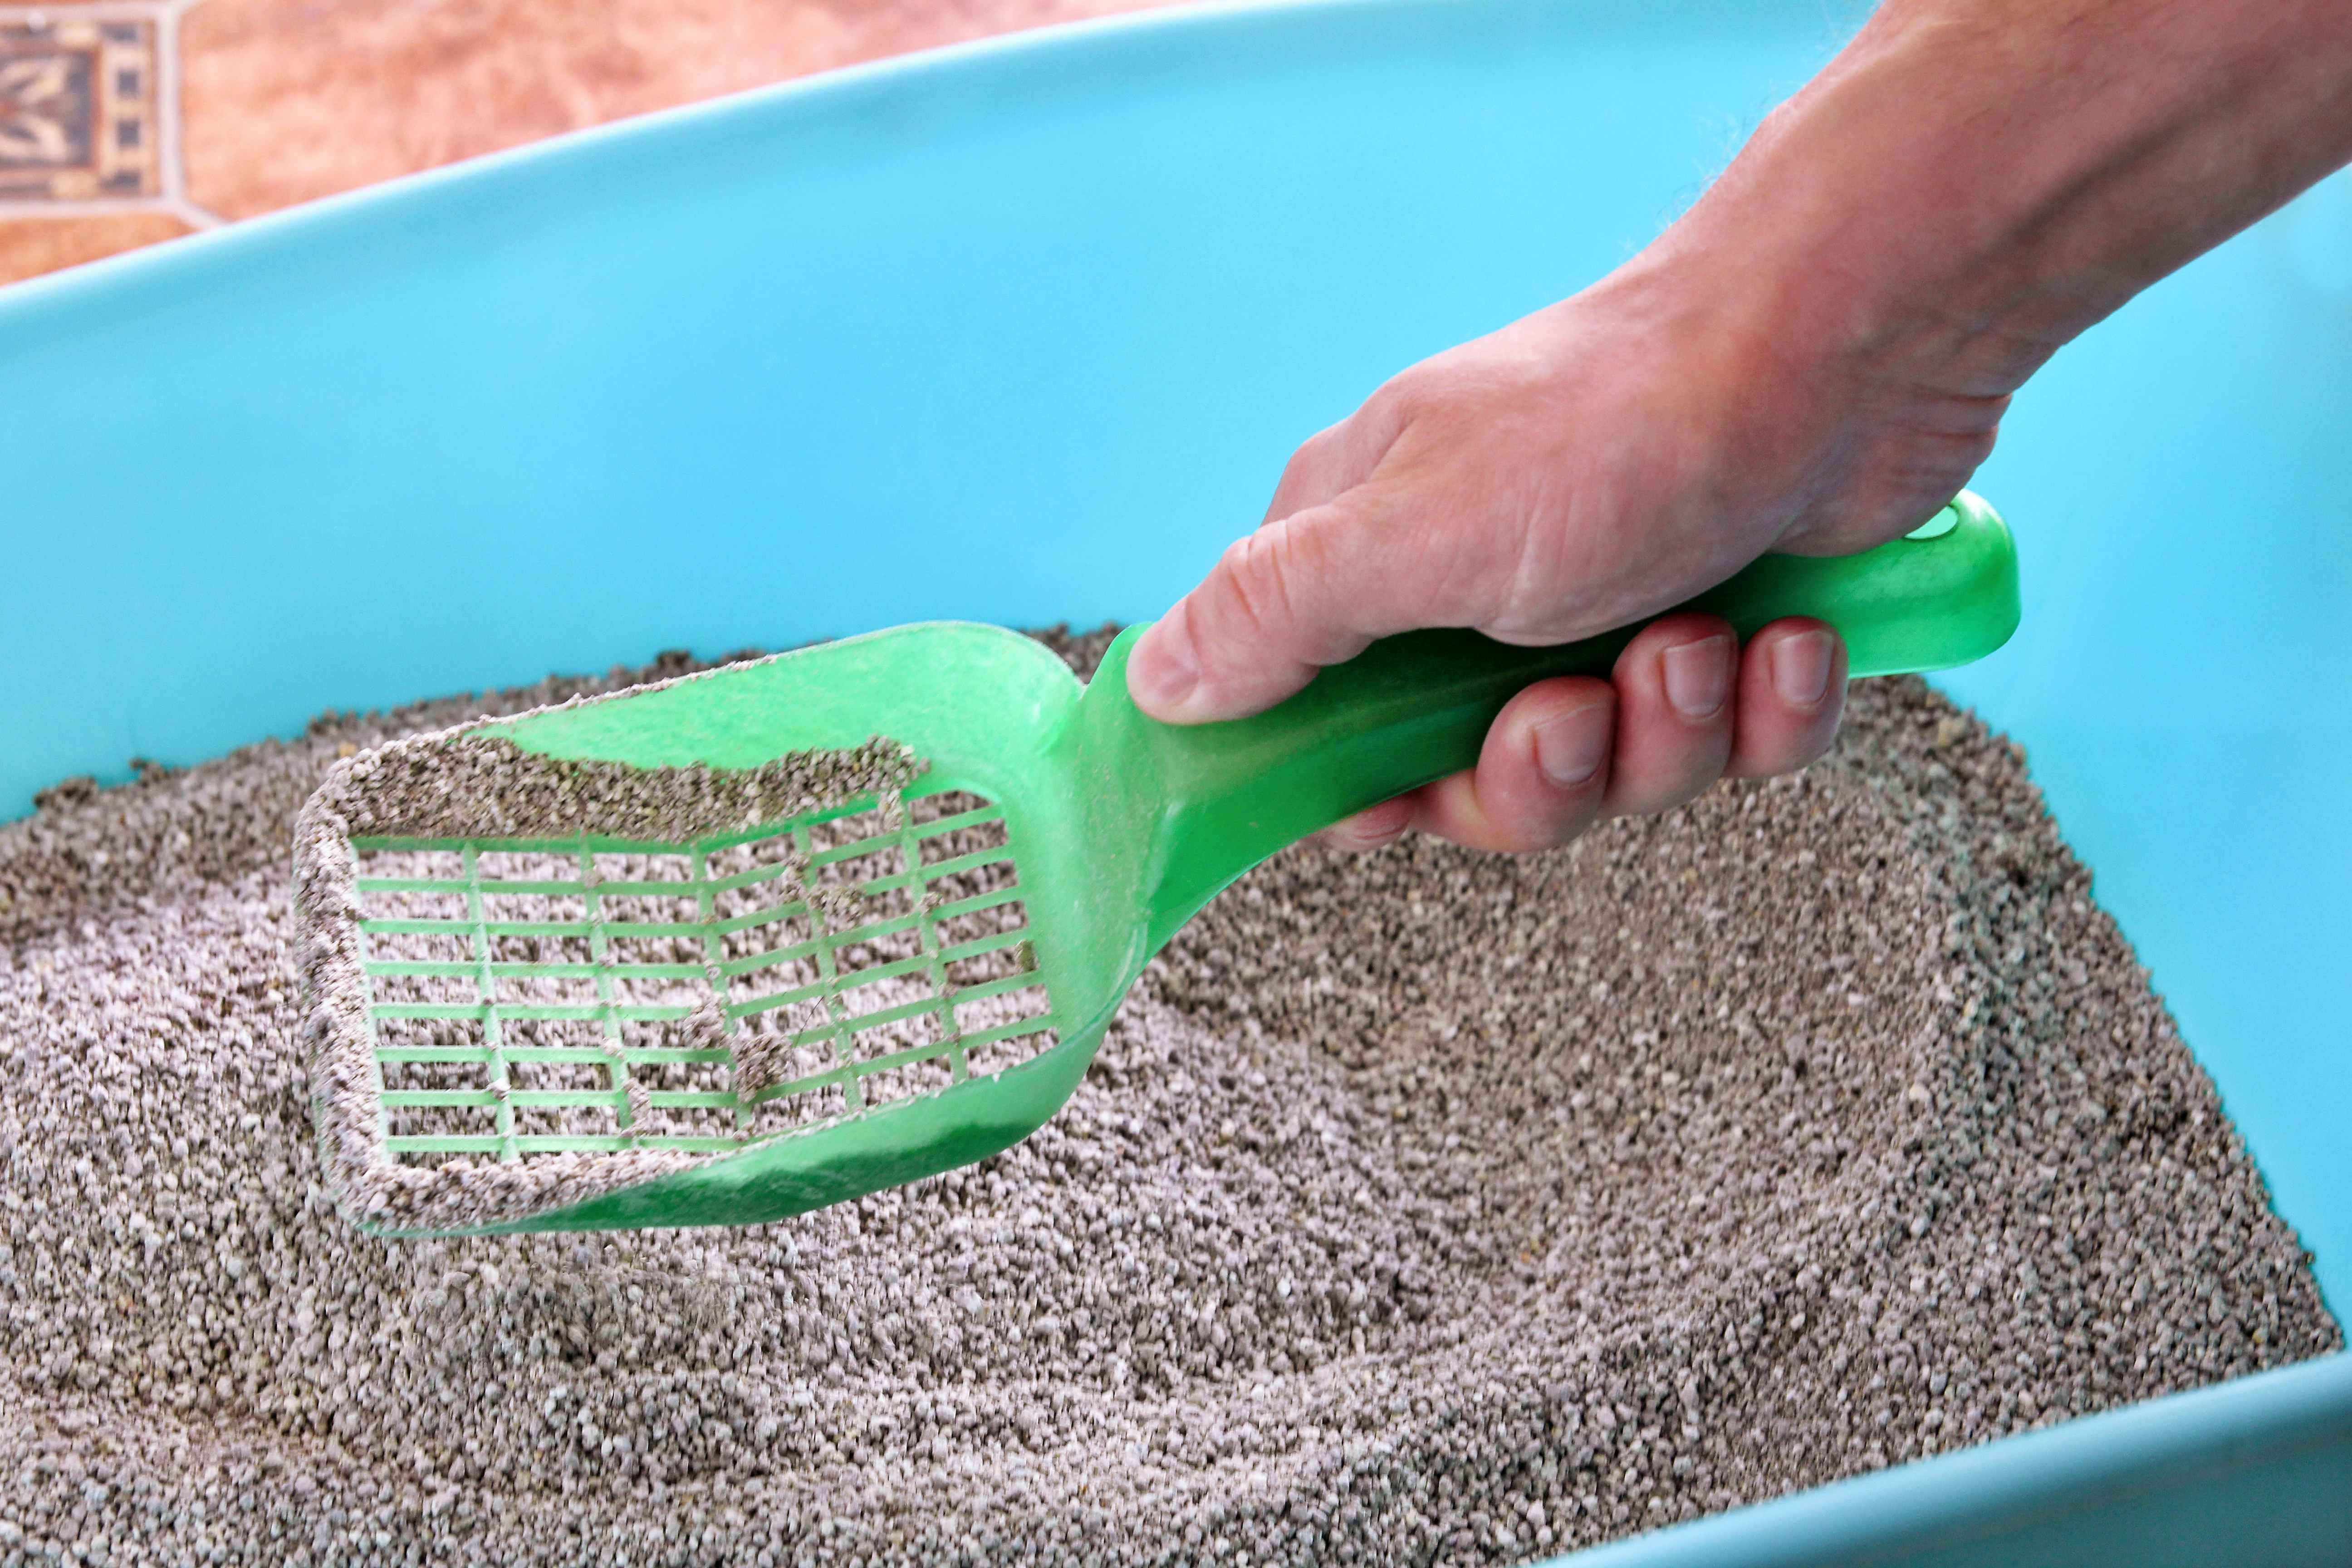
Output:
(1025, 331)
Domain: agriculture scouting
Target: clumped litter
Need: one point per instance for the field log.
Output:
(458, 784)
(1426, 1206)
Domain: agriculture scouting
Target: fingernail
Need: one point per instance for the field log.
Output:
(1801, 667)
(1164, 670)
(1698, 677)
(1570, 747)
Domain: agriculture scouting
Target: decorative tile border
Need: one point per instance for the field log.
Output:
(89, 109)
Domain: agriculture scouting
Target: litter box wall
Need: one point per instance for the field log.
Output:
(1026, 330)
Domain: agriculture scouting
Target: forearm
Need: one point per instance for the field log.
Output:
(1971, 183)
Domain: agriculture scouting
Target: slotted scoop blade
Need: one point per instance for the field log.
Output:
(766, 1018)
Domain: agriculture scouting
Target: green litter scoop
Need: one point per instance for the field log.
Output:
(566, 1023)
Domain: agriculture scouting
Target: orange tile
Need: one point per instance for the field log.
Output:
(290, 99)
(31, 245)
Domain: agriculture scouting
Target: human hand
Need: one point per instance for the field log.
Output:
(1813, 359)
(1585, 466)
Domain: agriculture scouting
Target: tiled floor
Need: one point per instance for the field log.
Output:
(130, 122)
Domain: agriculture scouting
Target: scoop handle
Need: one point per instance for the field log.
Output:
(1415, 708)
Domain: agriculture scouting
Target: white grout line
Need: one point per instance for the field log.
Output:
(167, 110)
(100, 206)
(82, 10)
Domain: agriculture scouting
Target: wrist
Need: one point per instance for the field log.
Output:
(1972, 183)
(1877, 230)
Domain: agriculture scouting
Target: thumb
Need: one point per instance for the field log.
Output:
(1310, 590)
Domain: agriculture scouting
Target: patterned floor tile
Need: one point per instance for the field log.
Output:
(87, 109)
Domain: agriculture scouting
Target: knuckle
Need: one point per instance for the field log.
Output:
(1413, 395)
(1303, 475)
(1313, 453)
(1260, 593)
(1287, 585)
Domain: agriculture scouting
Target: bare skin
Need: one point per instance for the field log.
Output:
(1813, 359)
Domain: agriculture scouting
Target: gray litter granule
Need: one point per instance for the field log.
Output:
(1425, 1206)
